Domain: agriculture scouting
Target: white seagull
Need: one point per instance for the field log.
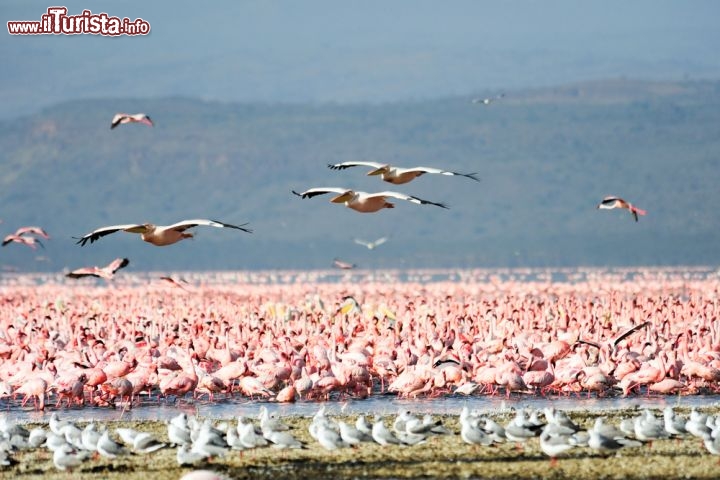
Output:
(371, 245)
(122, 118)
(487, 100)
(158, 235)
(398, 175)
(364, 202)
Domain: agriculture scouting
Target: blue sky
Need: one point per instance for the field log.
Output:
(370, 51)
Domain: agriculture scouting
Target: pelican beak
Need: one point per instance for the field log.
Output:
(342, 198)
(378, 171)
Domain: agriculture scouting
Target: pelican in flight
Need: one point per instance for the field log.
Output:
(122, 118)
(611, 202)
(107, 272)
(362, 201)
(371, 245)
(158, 235)
(398, 175)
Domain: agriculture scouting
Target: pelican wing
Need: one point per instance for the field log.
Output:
(363, 243)
(409, 198)
(185, 224)
(95, 235)
(344, 165)
(441, 172)
(314, 192)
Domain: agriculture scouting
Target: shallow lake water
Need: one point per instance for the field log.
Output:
(377, 405)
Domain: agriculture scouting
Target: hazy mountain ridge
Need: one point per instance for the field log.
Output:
(545, 156)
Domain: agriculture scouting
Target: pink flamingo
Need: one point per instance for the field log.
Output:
(107, 272)
(34, 388)
(123, 118)
(611, 202)
(343, 265)
(31, 242)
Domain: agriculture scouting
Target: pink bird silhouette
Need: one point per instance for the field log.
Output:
(121, 118)
(608, 203)
(107, 272)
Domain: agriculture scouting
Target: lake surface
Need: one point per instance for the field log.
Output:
(377, 405)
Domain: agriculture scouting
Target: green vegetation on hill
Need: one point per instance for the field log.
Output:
(545, 157)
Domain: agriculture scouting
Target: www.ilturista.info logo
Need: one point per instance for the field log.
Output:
(57, 22)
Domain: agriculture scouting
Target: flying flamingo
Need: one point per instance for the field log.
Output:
(31, 242)
(398, 175)
(611, 202)
(159, 235)
(343, 265)
(32, 231)
(101, 272)
(364, 202)
(122, 118)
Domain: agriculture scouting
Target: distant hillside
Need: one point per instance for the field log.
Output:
(546, 157)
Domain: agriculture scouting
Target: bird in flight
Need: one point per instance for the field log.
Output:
(122, 118)
(343, 265)
(178, 282)
(158, 235)
(487, 100)
(32, 231)
(362, 201)
(24, 235)
(608, 203)
(371, 245)
(31, 242)
(398, 175)
(107, 272)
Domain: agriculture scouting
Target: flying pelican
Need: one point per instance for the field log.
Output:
(158, 235)
(371, 245)
(121, 118)
(101, 272)
(487, 100)
(611, 202)
(362, 201)
(398, 175)
(343, 265)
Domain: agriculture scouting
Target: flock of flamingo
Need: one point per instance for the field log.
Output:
(140, 343)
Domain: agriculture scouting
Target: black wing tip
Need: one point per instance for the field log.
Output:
(237, 227)
(301, 195)
(472, 176)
